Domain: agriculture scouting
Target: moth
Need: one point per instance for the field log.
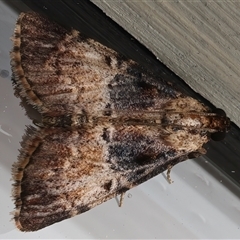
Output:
(107, 124)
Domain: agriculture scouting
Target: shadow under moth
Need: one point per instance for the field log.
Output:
(106, 126)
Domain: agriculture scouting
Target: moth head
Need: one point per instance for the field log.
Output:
(222, 125)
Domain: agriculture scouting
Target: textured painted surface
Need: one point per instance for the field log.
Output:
(197, 40)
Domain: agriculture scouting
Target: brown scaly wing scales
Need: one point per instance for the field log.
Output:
(61, 172)
(60, 71)
(107, 124)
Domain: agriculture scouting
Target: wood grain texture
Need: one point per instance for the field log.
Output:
(197, 40)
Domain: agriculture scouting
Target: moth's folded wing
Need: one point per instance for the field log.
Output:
(60, 71)
(62, 173)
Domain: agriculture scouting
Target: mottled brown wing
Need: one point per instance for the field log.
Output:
(60, 72)
(62, 172)
(117, 125)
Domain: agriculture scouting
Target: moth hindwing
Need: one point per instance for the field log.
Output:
(107, 124)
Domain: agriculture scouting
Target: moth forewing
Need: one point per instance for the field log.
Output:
(107, 124)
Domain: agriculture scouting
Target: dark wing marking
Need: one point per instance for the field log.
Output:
(61, 72)
(61, 172)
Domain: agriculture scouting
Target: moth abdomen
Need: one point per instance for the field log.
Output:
(69, 120)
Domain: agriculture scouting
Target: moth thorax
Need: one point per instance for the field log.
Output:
(211, 122)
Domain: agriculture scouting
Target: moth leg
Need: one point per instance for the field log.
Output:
(121, 199)
(38, 124)
(168, 174)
